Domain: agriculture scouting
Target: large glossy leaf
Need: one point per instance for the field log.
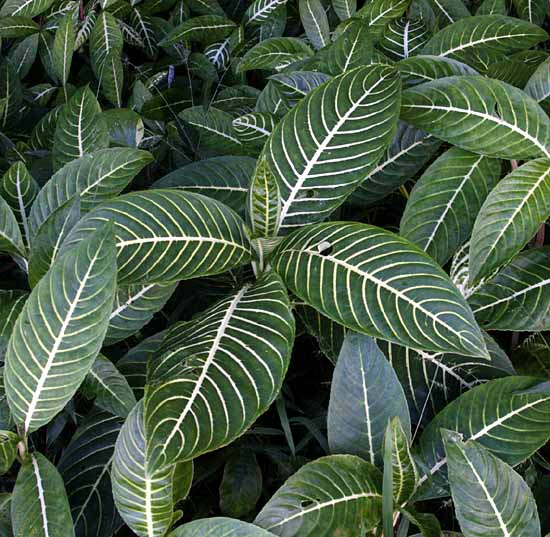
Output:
(214, 376)
(403, 38)
(331, 493)
(85, 467)
(79, 129)
(420, 69)
(315, 22)
(105, 42)
(507, 416)
(39, 505)
(517, 298)
(408, 152)
(24, 8)
(443, 205)
(379, 13)
(220, 526)
(317, 164)
(510, 217)
(378, 283)
(60, 330)
(11, 304)
(491, 500)
(365, 394)
(481, 115)
(275, 53)
(94, 178)
(11, 240)
(492, 34)
(168, 235)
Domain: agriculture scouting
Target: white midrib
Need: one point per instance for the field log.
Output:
(314, 19)
(267, 7)
(92, 490)
(445, 368)
(105, 386)
(207, 363)
(512, 296)
(480, 41)
(103, 177)
(79, 126)
(41, 498)
(322, 505)
(22, 210)
(148, 509)
(406, 40)
(450, 203)
(173, 238)
(490, 499)
(131, 300)
(319, 151)
(488, 117)
(55, 348)
(443, 10)
(367, 409)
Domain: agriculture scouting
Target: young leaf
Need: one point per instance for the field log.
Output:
(491, 500)
(365, 395)
(510, 217)
(60, 329)
(39, 504)
(216, 375)
(338, 491)
(376, 295)
(481, 115)
(63, 48)
(317, 167)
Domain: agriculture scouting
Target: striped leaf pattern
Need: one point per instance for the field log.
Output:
(481, 115)
(11, 240)
(297, 84)
(315, 22)
(8, 450)
(510, 217)
(260, 10)
(424, 68)
(11, 304)
(364, 286)
(379, 13)
(63, 48)
(168, 235)
(215, 376)
(59, 332)
(403, 38)
(254, 128)
(319, 166)
(538, 86)
(218, 526)
(275, 53)
(338, 491)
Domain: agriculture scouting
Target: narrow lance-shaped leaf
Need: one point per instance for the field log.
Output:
(60, 330)
(39, 504)
(105, 41)
(63, 47)
(168, 235)
(218, 373)
(481, 115)
(365, 286)
(490, 498)
(315, 22)
(345, 9)
(338, 491)
(365, 394)
(510, 217)
(318, 164)
(11, 240)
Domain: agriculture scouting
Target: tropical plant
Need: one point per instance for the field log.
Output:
(274, 268)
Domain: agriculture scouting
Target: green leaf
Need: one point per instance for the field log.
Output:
(364, 395)
(345, 9)
(490, 498)
(338, 491)
(484, 34)
(418, 306)
(11, 240)
(225, 179)
(403, 38)
(39, 504)
(63, 48)
(297, 84)
(85, 468)
(481, 115)
(125, 127)
(507, 416)
(533, 356)
(17, 26)
(11, 93)
(219, 526)
(11, 304)
(23, 55)
(24, 8)
(241, 485)
(492, 7)
(8, 450)
(79, 129)
(144, 499)
(94, 178)
(168, 235)
(425, 522)
(275, 53)
(205, 29)
(49, 237)
(407, 154)
(109, 388)
(254, 128)
(387, 483)
(317, 164)
(510, 217)
(6, 421)
(531, 10)
(111, 77)
(259, 11)
(315, 22)
(105, 42)
(538, 86)
(134, 307)
(379, 13)
(60, 328)
(214, 376)
(420, 69)
(517, 297)
(449, 11)
(443, 205)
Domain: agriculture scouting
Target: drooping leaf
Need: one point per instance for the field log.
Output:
(59, 332)
(481, 115)
(443, 205)
(365, 394)
(318, 164)
(167, 235)
(220, 526)
(275, 53)
(23, 55)
(39, 504)
(338, 491)
(491, 500)
(213, 377)
(510, 217)
(427, 523)
(364, 286)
